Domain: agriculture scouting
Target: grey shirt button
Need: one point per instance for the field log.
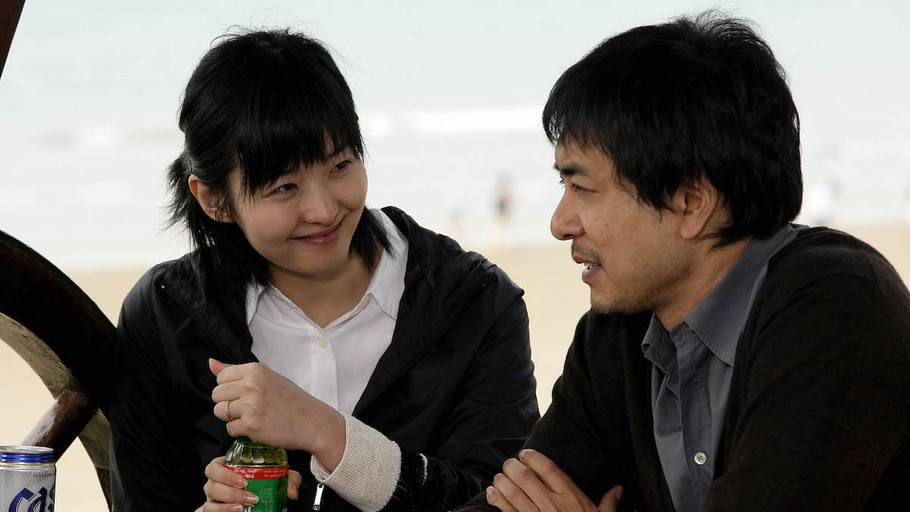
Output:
(700, 458)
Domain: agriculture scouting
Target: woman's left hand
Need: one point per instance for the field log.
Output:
(261, 404)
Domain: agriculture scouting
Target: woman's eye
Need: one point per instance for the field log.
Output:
(283, 189)
(340, 166)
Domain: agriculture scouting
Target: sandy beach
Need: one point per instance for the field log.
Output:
(555, 296)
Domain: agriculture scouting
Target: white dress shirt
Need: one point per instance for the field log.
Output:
(333, 363)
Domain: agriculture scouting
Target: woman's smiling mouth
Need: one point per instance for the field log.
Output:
(321, 237)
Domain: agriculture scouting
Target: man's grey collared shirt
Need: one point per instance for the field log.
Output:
(692, 366)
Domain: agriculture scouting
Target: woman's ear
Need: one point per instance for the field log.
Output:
(209, 200)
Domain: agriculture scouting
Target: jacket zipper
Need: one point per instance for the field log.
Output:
(317, 502)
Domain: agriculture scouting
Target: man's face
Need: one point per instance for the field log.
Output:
(633, 256)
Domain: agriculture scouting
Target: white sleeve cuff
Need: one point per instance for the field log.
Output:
(368, 473)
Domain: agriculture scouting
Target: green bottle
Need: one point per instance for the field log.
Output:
(266, 471)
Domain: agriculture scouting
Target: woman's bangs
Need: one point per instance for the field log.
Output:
(292, 124)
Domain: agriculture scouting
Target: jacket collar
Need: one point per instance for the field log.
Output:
(439, 280)
(218, 315)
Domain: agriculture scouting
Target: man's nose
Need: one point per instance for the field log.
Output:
(565, 224)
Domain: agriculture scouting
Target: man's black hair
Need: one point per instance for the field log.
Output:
(694, 98)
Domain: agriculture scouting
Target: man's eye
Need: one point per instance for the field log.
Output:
(572, 186)
(576, 188)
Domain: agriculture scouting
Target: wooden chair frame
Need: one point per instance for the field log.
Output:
(66, 339)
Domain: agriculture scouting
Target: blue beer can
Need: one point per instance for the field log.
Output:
(27, 479)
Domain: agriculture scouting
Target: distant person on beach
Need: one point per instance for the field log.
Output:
(503, 207)
(731, 361)
(392, 365)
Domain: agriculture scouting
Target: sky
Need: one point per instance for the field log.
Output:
(409, 53)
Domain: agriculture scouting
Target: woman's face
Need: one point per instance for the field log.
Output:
(303, 223)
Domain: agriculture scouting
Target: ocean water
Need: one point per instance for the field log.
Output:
(449, 97)
(93, 197)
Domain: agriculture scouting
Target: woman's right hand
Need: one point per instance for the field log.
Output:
(225, 492)
(255, 401)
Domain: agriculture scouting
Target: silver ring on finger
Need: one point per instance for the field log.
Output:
(227, 410)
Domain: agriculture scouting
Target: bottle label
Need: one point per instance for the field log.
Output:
(269, 483)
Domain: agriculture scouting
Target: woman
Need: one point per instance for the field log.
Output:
(391, 364)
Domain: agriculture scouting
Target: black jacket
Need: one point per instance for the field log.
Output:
(456, 384)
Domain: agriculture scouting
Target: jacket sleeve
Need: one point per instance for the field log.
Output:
(150, 453)
(567, 433)
(489, 422)
(823, 401)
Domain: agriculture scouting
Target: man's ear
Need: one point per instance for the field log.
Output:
(209, 200)
(699, 206)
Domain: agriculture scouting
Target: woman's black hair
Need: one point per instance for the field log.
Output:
(686, 100)
(264, 102)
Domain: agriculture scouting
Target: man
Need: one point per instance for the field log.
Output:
(731, 359)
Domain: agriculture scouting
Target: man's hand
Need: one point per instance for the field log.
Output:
(261, 404)
(224, 490)
(534, 483)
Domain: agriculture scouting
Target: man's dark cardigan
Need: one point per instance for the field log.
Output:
(819, 407)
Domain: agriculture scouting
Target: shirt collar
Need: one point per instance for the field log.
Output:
(253, 293)
(719, 318)
(386, 287)
(657, 348)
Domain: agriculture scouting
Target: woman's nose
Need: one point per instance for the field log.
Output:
(317, 205)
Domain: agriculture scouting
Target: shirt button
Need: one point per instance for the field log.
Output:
(323, 343)
(700, 458)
